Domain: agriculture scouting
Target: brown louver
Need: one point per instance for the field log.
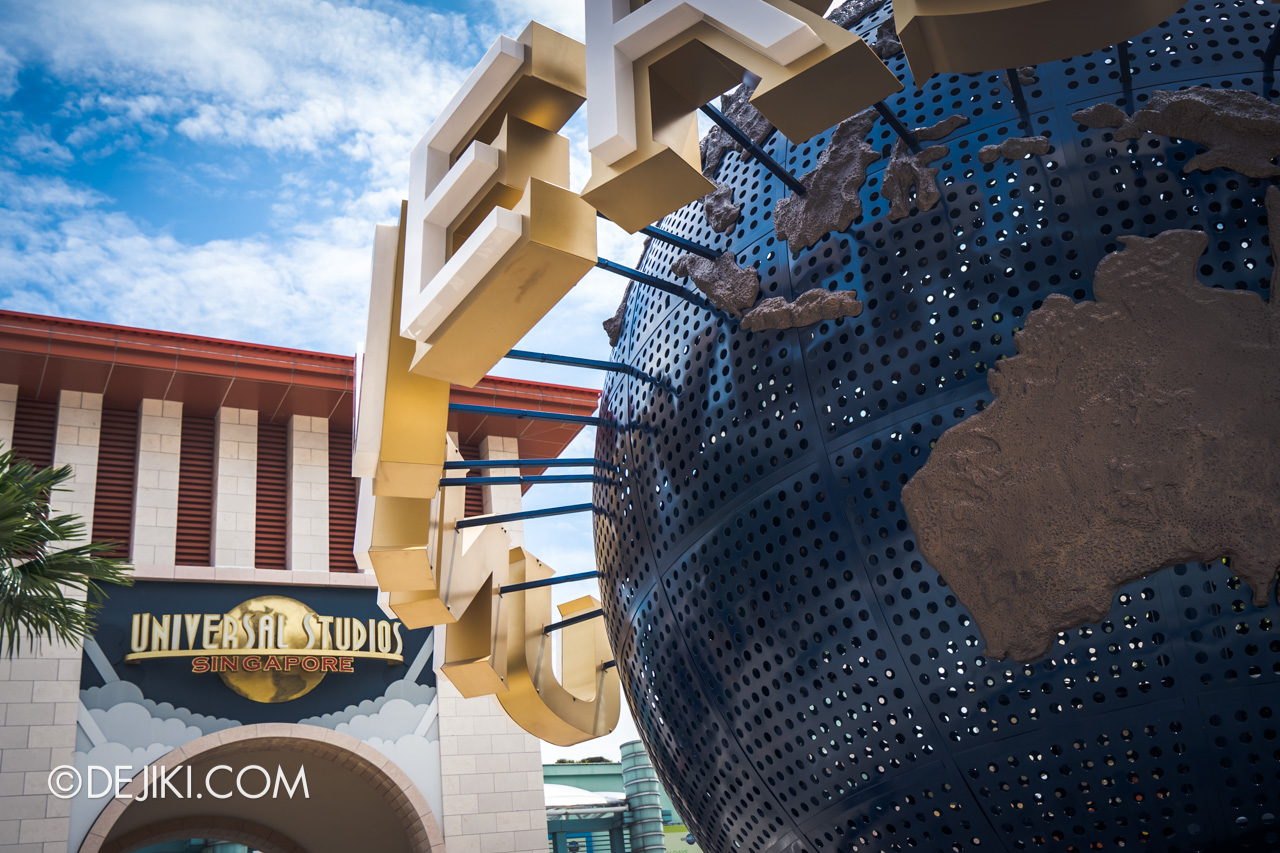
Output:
(343, 493)
(195, 492)
(270, 541)
(34, 426)
(475, 495)
(117, 473)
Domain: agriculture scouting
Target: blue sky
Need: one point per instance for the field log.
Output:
(217, 167)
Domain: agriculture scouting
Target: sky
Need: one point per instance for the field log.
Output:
(217, 167)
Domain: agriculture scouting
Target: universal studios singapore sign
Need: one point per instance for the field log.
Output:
(491, 238)
(268, 649)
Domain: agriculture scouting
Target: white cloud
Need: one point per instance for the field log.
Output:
(26, 143)
(9, 68)
(289, 76)
(395, 718)
(115, 693)
(133, 726)
(62, 252)
(567, 16)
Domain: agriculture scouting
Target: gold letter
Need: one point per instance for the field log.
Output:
(160, 633)
(495, 238)
(966, 36)
(138, 635)
(652, 68)
(400, 418)
(585, 704)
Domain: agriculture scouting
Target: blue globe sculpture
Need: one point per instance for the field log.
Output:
(802, 678)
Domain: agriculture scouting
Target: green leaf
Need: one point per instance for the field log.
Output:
(50, 588)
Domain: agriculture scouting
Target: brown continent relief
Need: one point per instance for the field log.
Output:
(1129, 434)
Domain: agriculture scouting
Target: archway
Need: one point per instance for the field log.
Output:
(346, 779)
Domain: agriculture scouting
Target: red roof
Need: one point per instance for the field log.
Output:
(44, 355)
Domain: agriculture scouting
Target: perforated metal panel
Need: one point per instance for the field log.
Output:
(803, 680)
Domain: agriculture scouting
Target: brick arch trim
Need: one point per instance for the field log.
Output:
(420, 825)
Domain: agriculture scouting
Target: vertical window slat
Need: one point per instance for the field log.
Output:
(195, 492)
(34, 425)
(475, 494)
(343, 493)
(270, 541)
(117, 474)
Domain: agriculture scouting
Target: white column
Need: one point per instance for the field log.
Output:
(236, 482)
(308, 525)
(40, 689)
(8, 411)
(40, 686)
(76, 444)
(491, 769)
(490, 776)
(155, 507)
(503, 499)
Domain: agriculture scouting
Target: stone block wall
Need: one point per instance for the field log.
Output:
(155, 509)
(236, 487)
(308, 533)
(8, 409)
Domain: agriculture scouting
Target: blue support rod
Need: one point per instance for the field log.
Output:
(568, 360)
(477, 464)
(655, 282)
(530, 414)
(898, 127)
(754, 150)
(572, 620)
(520, 587)
(673, 239)
(574, 361)
(523, 515)
(679, 242)
(516, 480)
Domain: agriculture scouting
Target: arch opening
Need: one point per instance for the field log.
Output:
(300, 789)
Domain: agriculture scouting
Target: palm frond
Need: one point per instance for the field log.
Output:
(49, 589)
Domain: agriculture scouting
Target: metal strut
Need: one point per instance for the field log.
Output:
(568, 360)
(530, 414)
(521, 587)
(463, 465)
(531, 480)
(1019, 99)
(754, 150)
(899, 128)
(572, 620)
(574, 361)
(523, 515)
(1126, 76)
(656, 283)
(673, 239)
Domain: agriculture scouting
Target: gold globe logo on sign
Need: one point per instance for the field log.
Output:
(268, 649)
(273, 685)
